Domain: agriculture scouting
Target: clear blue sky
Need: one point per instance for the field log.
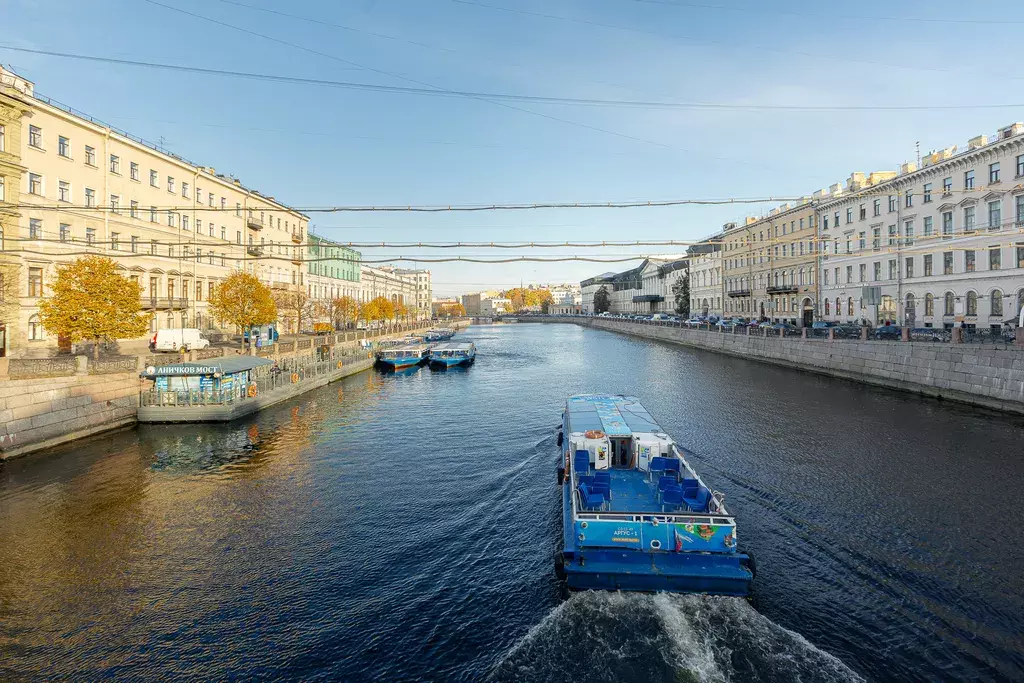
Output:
(311, 145)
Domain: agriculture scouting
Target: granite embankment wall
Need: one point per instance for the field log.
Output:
(41, 412)
(982, 375)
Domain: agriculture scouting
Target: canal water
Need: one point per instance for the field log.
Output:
(401, 527)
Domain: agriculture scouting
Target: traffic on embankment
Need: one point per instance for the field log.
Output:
(45, 402)
(987, 374)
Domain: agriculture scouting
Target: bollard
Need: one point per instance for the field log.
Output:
(803, 333)
(782, 332)
(957, 335)
(747, 330)
(831, 334)
(1019, 336)
(905, 334)
(863, 333)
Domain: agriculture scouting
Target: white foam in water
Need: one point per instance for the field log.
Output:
(597, 636)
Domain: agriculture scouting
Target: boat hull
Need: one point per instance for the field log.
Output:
(399, 363)
(451, 362)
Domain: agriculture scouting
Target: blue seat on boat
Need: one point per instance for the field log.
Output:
(604, 476)
(696, 499)
(665, 481)
(596, 484)
(672, 465)
(591, 499)
(672, 497)
(689, 484)
(581, 462)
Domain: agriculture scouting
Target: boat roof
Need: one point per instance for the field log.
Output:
(611, 414)
(454, 346)
(225, 365)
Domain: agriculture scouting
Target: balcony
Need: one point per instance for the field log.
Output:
(254, 250)
(163, 303)
(297, 237)
(783, 289)
(738, 292)
(297, 259)
(254, 223)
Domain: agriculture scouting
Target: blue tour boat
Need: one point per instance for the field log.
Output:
(404, 356)
(635, 514)
(438, 334)
(448, 355)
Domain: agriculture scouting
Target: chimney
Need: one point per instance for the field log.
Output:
(907, 167)
(1011, 130)
(856, 181)
(976, 142)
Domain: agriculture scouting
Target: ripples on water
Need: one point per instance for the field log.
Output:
(401, 527)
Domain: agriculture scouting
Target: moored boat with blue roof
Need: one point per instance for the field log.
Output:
(403, 356)
(453, 353)
(635, 514)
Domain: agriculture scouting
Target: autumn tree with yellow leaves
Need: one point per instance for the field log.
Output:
(452, 309)
(91, 300)
(520, 297)
(379, 309)
(346, 310)
(242, 300)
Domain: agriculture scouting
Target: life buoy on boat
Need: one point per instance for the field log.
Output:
(253, 390)
(295, 377)
(594, 434)
(340, 363)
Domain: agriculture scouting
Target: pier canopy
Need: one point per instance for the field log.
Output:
(214, 367)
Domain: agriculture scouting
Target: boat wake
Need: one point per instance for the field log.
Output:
(597, 636)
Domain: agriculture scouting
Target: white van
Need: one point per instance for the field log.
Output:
(174, 338)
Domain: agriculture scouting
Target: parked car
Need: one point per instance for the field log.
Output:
(176, 338)
(783, 326)
(822, 324)
(890, 332)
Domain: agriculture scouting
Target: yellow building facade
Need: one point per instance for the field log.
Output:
(75, 186)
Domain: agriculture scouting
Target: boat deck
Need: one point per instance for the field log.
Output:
(631, 492)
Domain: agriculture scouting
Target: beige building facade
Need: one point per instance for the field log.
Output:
(175, 227)
(769, 263)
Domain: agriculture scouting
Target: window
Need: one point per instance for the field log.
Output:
(948, 308)
(238, 236)
(908, 231)
(993, 173)
(64, 147)
(849, 274)
(35, 282)
(238, 210)
(928, 226)
(170, 184)
(969, 180)
(947, 224)
(133, 170)
(995, 258)
(824, 277)
(65, 232)
(223, 203)
(211, 229)
(909, 267)
(878, 207)
(152, 214)
(929, 305)
(152, 250)
(828, 307)
(90, 197)
(115, 203)
(90, 156)
(863, 272)
(3, 139)
(876, 238)
(35, 183)
(836, 274)
(199, 195)
(972, 303)
(90, 236)
(63, 191)
(947, 263)
(969, 261)
(861, 240)
(909, 199)
(184, 221)
(947, 187)
(1020, 210)
(876, 269)
(133, 209)
(892, 235)
(223, 233)
(969, 212)
(836, 221)
(184, 190)
(1020, 161)
(849, 306)
(115, 164)
(35, 137)
(115, 241)
(35, 229)
(35, 329)
(995, 215)
(1020, 257)
(996, 302)
(170, 219)
(927, 193)
(849, 215)
(153, 180)
(211, 199)
(135, 244)
(3, 189)
(892, 203)
(892, 269)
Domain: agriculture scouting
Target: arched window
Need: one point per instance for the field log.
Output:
(929, 304)
(910, 302)
(35, 329)
(827, 309)
(801, 276)
(972, 303)
(949, 304)
(839, 306)
(791, 280)
(997, 302)
(849, 307)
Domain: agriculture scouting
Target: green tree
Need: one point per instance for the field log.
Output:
(242, 300)
(681, 291)
(91, 300)
(602, 300)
